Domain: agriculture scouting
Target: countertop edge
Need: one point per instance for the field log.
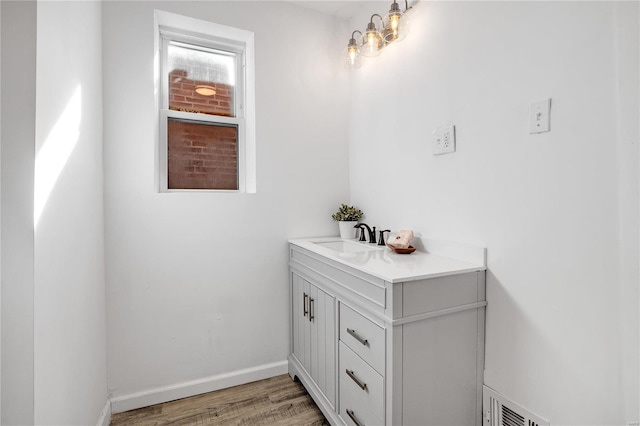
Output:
(470, 258)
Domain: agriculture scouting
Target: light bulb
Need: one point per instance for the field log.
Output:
(372, 41)
(351, 57)
(394, 22)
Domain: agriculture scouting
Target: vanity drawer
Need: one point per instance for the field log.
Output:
(351, 415)
(363, 336)
(361, 387)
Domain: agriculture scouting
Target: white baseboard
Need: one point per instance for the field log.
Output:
(105, 415)
(196, 387)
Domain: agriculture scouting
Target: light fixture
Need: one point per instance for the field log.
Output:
(392, 23)
(205, 90)
(372, 43)
(396, 23)
(394, 27)
(351, 57)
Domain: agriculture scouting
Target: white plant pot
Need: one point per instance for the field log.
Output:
(347, 229)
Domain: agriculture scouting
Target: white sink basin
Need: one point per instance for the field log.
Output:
(348, 246)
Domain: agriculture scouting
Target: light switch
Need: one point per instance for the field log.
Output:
(539, 116)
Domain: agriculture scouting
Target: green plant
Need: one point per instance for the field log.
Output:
(347, 213)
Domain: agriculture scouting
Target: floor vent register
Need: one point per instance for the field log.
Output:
(500, 411)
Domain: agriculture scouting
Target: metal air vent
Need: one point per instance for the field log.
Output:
(501, 411)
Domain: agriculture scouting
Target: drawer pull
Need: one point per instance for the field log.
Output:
(355, 335)
(311, 310)
(304, 303)
(351, 414)
(362, 386)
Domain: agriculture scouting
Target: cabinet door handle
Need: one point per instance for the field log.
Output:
(351, 414)
(362, 386)
(355, 335)
(311, 317)
(304, 303)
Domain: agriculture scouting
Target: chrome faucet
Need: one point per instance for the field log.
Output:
(372, 233)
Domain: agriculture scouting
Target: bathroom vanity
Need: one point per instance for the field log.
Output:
(379, 338)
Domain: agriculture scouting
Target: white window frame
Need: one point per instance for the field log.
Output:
(207, 35)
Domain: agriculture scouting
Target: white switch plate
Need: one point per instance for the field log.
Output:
(539, 116)
(444, 140)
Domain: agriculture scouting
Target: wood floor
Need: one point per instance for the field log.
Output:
(275, 401)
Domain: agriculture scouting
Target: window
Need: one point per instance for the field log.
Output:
(205, 106)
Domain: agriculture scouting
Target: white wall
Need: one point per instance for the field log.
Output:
(0, 219)
(197, 283)
(70, 299)
(18, 118)
(555, 210)
(627, 50)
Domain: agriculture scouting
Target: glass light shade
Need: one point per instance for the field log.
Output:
(388, 35)
(396, 27)
(390, 30)
(352, 58)
(404, 25)
(372, 43)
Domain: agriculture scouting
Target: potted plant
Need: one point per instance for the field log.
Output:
(347, 217)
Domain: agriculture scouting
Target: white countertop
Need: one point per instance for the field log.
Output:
(432, 259)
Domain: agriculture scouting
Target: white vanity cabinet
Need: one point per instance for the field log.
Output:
(379, 338)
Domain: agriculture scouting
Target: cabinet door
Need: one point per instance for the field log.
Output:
(299, 317)
(323, 341)
(314, 334)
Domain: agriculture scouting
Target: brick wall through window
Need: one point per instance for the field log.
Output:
(183, 96)
(202, 156)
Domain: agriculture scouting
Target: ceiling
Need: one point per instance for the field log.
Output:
(342, 9)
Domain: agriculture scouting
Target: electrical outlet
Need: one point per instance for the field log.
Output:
(444, 140)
